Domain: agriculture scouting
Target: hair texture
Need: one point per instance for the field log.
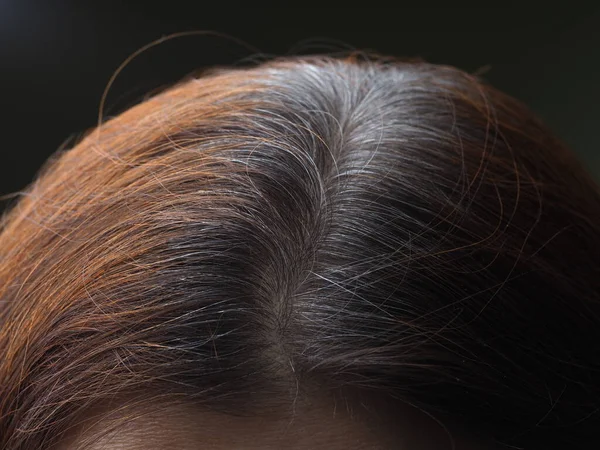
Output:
(397, 229)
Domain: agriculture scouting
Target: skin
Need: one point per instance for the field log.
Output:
(187, 428)
(313, 426)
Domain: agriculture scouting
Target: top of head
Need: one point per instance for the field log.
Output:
(363, 234)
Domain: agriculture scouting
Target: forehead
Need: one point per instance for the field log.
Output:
(314, 426)
(184, 428)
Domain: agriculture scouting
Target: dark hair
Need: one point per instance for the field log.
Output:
(397, 229)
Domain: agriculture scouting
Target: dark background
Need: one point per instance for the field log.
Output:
(56, 58)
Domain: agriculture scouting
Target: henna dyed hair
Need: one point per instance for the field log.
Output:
(399, 230)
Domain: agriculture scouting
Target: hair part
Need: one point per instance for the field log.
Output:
(252, 237)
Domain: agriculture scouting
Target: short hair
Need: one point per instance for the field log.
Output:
(400, 229)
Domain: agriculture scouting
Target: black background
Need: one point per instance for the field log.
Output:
(56, 58)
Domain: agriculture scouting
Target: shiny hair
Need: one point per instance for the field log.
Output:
(398, 229)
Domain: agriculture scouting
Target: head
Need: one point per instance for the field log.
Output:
(312, 253)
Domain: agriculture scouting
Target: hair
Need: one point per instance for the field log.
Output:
(400, 229)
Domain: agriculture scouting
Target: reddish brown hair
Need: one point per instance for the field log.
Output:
(393, 228)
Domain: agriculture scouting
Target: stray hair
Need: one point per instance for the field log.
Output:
(396, 231)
